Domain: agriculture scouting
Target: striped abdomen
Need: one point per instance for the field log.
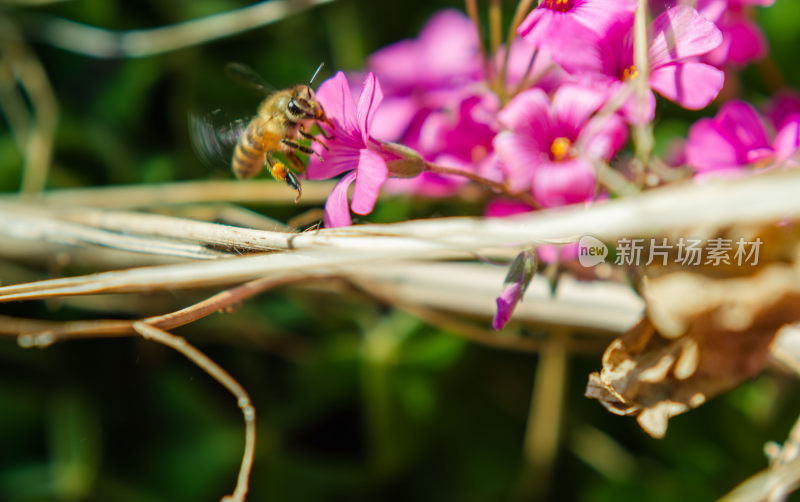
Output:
(250, 153)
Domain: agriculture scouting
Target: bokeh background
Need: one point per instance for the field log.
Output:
(356, 400)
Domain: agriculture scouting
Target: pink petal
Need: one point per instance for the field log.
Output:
(499, 208)
(788, 140)
(566, 182)
(742, 125)
(708, 150)
(761, 3)
(337, 212)
(337, 100)
(506, 303)
(519, 156)
(583, 51)
(679, 33)
(394, 117)
(712, 9)
(598, 15)
(534, 28)
(610, 135)
(372, 172)
(747, 41)
(368, 102)
(691, 85)
(757, 155)
(574, 104)
(527, 107)
(449, 48)
(340, 158)
(637, 113)
(784, 107)
(397, 64)
(557, 252)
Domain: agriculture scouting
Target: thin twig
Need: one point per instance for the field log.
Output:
(35, 333)
(12, 105)
(494, 185)
(495, 28)
(40, 227)
(642, 132)
(102, 43)
(527, 80)
(205, 363)
(543, 430)
(265, 192)
(472, 12)
(33, 80)
(519, 15)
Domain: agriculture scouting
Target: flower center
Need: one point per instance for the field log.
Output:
(630, 73)
(560, 148)
(559, 5)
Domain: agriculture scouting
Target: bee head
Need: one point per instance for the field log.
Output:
(303, 105)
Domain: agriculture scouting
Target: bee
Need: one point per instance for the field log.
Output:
(282, 118)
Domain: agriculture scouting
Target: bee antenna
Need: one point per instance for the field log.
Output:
(316, 72)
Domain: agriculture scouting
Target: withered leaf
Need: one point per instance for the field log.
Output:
(700, 336)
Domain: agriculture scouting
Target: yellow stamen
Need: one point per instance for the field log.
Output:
(562, 5)
(630, 73)
(560, 148)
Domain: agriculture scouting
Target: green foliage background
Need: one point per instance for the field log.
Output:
(355, 400)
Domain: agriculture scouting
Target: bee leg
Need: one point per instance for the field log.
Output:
(295, 161)
(311, 137)
(325, 134)
(297, 146)
(291, 146)
(279, 172)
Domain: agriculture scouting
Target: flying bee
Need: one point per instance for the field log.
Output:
(282, 118)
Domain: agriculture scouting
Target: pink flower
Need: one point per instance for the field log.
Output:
(506, 303)
(783, 108)
(547, 23)
(677, 38)
(435, 102)
(742, 39)
(426, 73)
(533, 63)
(537, 149)
(520, 274)
(737, 138)
(351, 150)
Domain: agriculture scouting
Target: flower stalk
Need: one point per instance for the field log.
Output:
(642, 132)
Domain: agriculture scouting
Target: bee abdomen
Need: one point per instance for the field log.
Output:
(249, 155)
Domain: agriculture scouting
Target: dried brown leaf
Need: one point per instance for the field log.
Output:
(701, 336)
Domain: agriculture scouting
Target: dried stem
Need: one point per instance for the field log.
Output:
(494, 185)
(33, 79)
(761, 198)
(495, 28)
(519, 15)
(643, 132)
(170, 194)
(472, 12)
(527, 80)
(205, 363)
(34, 333)
(543, 431)
(102, 43)
(154, 328)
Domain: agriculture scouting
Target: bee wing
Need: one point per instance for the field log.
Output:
(214, 136)
(247, 77)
